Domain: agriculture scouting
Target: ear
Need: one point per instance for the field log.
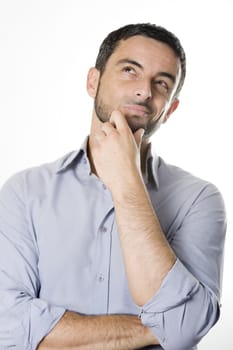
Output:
(171, 109)
(92, 81)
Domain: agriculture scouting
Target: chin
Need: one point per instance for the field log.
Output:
(135, 126)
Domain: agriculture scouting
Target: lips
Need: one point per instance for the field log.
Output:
(136, 110)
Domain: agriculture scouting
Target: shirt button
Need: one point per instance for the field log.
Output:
(101, 277)
(103, 229)
(104, 187)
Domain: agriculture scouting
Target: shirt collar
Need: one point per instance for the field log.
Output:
(65, 162)
(152, 162)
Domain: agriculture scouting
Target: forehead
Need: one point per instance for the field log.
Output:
(150, 53)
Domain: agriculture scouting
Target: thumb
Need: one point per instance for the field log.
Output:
(138, 136)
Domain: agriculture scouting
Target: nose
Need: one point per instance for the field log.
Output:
(143, 90)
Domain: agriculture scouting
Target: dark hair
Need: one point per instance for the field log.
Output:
(111, 42)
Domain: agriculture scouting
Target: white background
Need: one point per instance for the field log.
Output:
(46, 48)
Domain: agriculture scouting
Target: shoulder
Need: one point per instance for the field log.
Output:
(187, 186)
(36, 179)
(171, 174)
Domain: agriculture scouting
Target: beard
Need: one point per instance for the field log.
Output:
(150, 124)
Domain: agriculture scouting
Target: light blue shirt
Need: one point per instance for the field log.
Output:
(60, 250)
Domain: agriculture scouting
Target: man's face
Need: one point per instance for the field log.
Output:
(139, 80)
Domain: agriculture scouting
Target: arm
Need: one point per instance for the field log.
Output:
(147, 254)
(112, 332)
(19, 294)
(24, 318)
(178, 284)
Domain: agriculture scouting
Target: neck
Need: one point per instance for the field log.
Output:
(143, 153)
(90, 157)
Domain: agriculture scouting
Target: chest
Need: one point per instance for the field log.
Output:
(80, 260)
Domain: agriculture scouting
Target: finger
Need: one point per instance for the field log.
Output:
(118, 120)
(100, 136)
(107, 128)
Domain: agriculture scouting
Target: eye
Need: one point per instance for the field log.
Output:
(129, 69)
(162, 86)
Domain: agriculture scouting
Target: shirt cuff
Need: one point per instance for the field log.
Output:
(176, 289)
(44, 317)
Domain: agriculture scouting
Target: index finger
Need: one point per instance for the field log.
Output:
(119, 120)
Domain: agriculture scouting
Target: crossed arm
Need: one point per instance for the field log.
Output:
(111, 332)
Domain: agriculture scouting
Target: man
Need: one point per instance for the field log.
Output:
(109, 247)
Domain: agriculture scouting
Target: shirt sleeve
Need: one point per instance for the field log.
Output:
(24, 318)
(187, 304)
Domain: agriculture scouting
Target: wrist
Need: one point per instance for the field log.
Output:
(128, 188)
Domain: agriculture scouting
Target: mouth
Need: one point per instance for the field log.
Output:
(133, 109)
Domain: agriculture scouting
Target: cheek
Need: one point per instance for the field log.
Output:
(106, 91)
(158, 119)
(161, 106)
(113, 97)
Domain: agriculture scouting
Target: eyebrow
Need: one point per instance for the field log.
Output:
(127, 60)
(137, 64)
(168, 75)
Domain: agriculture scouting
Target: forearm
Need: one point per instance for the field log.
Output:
(111, 332)
(147, 254)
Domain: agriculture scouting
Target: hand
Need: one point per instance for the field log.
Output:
(116, 152)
